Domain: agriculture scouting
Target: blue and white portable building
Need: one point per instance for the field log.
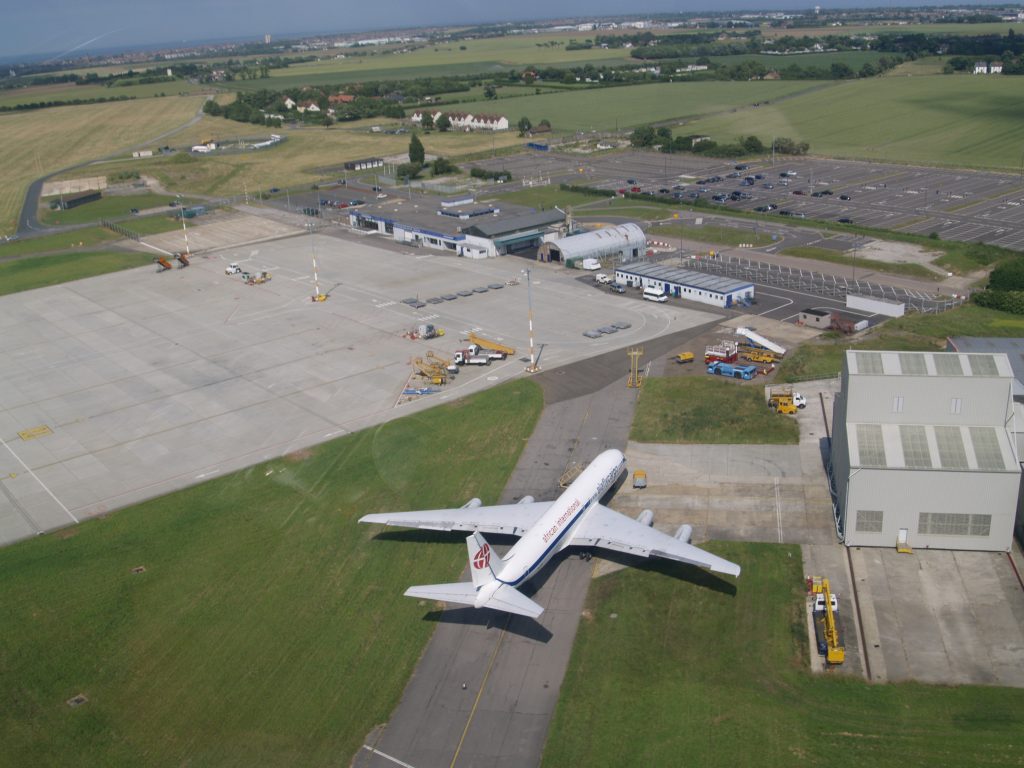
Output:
(686, 284)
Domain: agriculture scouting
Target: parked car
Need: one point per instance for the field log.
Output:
(617, 288)
(844, 197)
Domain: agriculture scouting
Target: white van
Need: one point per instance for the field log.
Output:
(654, 294)
(591, 264)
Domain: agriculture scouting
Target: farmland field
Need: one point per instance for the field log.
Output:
(957, 120)
(853, 59)
(42, 141)
(670, 661)
(107, 207)
(268, 628)
(604, 109)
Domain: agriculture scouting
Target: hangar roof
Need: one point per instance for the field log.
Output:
(938, 364)
(600, 241)
(700, 280)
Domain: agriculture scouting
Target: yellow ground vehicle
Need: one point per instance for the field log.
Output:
(760, 356)
(684, 357)
(639, 479)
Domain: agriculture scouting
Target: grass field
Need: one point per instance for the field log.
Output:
(41, 271)
(302, 159)
(853, 59)
(708, 409)
(710, 233)
(268, 628)
(107, 207)
(956, 120)
(39, 142)
(674, 666)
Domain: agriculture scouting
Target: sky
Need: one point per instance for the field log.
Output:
(65, 27)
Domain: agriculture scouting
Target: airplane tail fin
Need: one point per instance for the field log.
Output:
(485, 591)
(481, 556)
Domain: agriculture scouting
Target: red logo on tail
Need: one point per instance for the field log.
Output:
(482, 558)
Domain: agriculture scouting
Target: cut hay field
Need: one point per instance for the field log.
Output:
(674, 666)
(268, 628)
(39, 142)
(64, 92)
(955, 120)
(603, 109)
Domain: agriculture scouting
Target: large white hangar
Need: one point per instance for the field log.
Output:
(621, 243)
(922, 450)
(686, 284)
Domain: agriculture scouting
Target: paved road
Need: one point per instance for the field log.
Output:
(488, 683)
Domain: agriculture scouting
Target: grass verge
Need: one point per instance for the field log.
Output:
(709, 410)
(711, 233)
(41, 271)
(268, 627)
(111, 207)
(856, 262)
(691, 666)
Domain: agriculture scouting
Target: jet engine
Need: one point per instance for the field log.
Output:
(525, 500)
(684, 533)
(646, 517)
(472, 503)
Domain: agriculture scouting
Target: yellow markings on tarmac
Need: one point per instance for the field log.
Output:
(32, 434)
(480, 692)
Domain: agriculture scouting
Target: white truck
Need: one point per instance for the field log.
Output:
(467, 357)
(475, 350)
(591, 264)
(602, 278)
(232, 269)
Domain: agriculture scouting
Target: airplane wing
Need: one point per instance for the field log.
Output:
(511, 519)
(605, 528)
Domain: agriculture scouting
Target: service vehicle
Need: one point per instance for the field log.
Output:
(654, 294)
(639, 479)
(602, 278)
(465, 357)
(232, 269)
(745, 372)
(684, 357)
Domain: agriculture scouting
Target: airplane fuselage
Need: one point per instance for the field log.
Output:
(554, 529)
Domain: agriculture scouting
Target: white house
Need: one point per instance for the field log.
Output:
(288, 103)
(309, 106)
(995, 68)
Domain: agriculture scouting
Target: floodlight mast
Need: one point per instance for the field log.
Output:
(533, 367)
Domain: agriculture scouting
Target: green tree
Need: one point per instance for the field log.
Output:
(443, 122)
(428, 121)
(524, 125)
(416, 152)
(643, 136)
(751, 145)
(490, 92)
(408, 171)
(441, 167)
(1008, 276)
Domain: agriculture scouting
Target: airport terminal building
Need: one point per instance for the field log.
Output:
(922, 451)
(686, 284)
(463, 227)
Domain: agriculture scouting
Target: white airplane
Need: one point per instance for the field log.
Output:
(576, 518)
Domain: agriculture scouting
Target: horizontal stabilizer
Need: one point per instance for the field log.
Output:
(504, 598)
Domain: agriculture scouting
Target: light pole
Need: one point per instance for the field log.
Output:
(317, 296)
(533, 367)
(181, 212)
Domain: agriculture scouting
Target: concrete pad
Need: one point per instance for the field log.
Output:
(132, 372)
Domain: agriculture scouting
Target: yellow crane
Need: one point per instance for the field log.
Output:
(432, 373)
(836, 654)
(483, 343)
